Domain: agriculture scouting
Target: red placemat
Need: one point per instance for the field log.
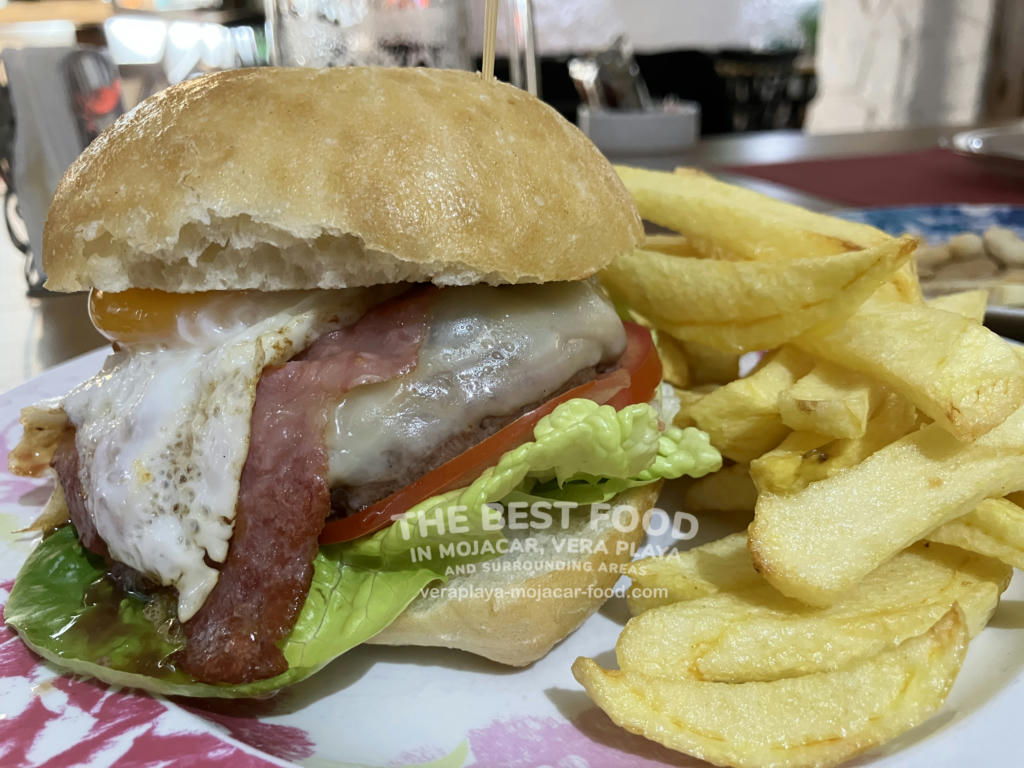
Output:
(911, 178)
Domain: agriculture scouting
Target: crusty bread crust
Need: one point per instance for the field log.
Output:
(288, 178)
(518, 628)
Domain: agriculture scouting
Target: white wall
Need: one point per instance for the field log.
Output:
(881, 63)
(657, 25)
(654, 25)
(897, 63)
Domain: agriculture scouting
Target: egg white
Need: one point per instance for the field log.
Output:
(162, 432)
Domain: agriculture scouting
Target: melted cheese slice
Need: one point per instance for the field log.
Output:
(490, 351)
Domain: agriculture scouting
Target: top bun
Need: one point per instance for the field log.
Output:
(282, 178)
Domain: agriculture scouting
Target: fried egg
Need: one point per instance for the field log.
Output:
(162, 431)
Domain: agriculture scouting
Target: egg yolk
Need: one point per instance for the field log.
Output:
(148, 316)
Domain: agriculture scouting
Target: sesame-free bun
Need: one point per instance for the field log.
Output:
(286, 178)
(515, 608)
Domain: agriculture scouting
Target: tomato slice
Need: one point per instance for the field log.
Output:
(634, 380)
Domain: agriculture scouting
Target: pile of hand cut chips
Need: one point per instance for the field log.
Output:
(878, 445)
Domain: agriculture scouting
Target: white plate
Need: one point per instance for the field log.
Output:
(403, 706)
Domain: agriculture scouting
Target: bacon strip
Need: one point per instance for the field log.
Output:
(65, 463)
(283, 495)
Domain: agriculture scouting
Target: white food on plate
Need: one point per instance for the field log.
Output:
(162, 435)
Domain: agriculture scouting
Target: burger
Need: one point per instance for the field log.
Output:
(363, 386)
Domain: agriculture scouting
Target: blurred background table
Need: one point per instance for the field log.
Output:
(748, 159)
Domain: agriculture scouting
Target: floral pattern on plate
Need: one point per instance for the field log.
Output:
(381, 706)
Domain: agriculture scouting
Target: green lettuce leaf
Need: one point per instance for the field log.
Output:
(679, 452)
(66, 610)
(582, 452)
(345, 607)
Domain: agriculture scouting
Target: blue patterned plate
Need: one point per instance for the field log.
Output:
(938, 223)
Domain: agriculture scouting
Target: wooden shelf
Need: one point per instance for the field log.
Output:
(82, 13)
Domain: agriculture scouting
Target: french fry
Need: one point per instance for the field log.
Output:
(722, 565)
(709, 365)
(739, 306)
(688, 398)
(903, 285)
(818, 720)
(801, 458)
(954, 370)
(994, 528)
(757, 634)
(881, 443)
(674, 245)
(830, 400)
(805, 457)
(817, 543)
(730, 489)
(674, 366)
(742, 417)
(970, 304)
(725, 221)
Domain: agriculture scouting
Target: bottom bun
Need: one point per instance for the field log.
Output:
(515, 608)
